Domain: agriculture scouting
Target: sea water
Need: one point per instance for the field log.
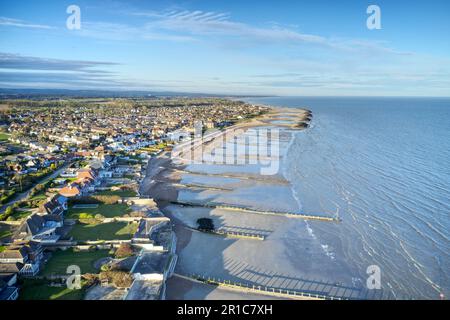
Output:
(383, 166)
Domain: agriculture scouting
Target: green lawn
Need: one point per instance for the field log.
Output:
(41, 290)
(5, 231)
(103, 231)
(3, 136)
(60, 260)
(19, 214)
(120, 193)
(106, 210)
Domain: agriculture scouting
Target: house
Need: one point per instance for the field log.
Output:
(32, 163)
(22, 258)
(56, 205)
(150, 271)
(178, 135)
(10, 268)
(41, 229)
(53, 148)
(105, 174)
(72, 190)
(9, 279)
(86, 173)
(70, 173)
(154, 266)
(8, 292)
(14, 256)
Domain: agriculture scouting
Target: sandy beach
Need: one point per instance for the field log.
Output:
(288, 258)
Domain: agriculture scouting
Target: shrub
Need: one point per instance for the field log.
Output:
(105, 199)
(90, 278)
(124, 250)
(119, 279)
(85, 216)
(96, 199)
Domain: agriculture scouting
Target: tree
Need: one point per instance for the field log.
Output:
(9, 210)
(205, 224)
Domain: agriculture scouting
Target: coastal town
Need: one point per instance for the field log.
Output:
(73, 223)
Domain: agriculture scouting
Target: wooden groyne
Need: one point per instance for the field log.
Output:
(231, 234)
(243, 209)
(196, 186)
(234, 176)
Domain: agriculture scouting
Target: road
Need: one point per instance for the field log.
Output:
(25, 194)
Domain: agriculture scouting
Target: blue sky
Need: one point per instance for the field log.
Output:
(231, 47)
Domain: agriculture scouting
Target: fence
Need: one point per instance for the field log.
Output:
(295, 294)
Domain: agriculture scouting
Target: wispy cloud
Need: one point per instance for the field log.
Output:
(4, 21)
(16, 69)
(202, 23)
(197, 25)
(221, 25)
(16, 61)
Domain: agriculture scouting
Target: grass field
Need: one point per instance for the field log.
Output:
(106, 210)
(103, 231)
(120, 193)
(60, 260)
(40, 290)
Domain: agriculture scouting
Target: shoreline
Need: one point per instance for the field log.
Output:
(161, 183)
